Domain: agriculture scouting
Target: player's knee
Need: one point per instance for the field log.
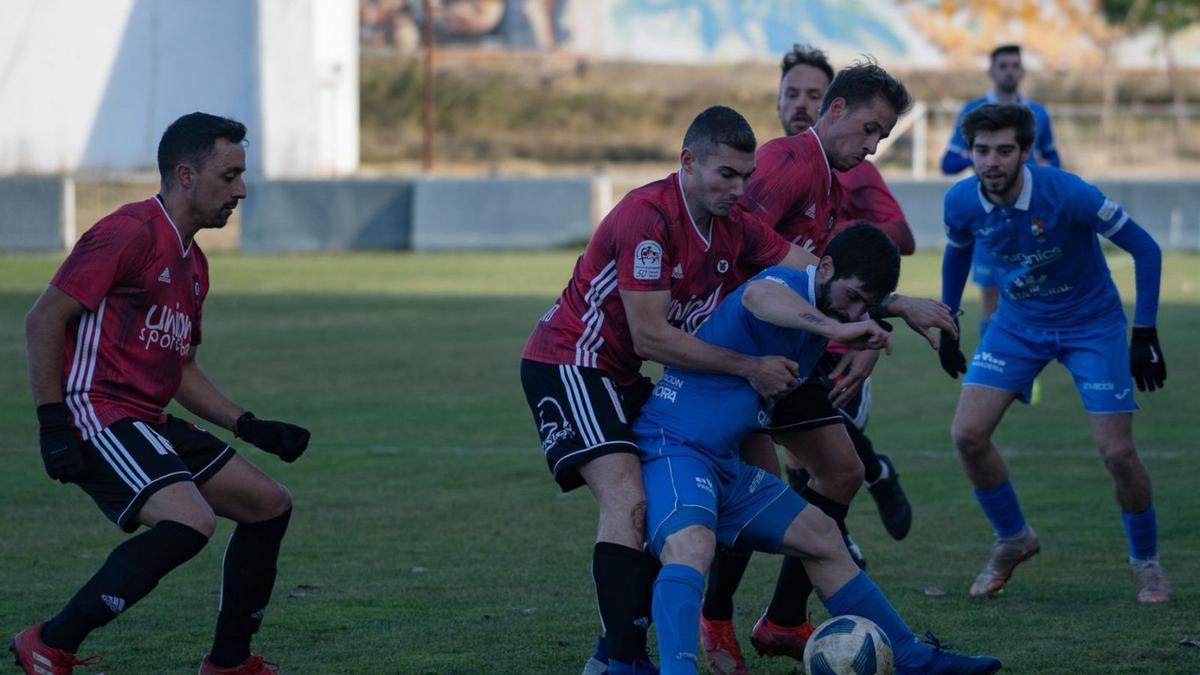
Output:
(277, 501)
(969, 440)
(693, 546)
(1118, 456)
(202, 520)
(813, 535)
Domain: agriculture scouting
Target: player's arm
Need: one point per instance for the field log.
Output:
(45, 335)
(1046, 147)
(921, 314)
(798, 258)
(956, 158)
(657, 340)
(956, 267)
(1146, 359)
(774, 302)
(200, 396)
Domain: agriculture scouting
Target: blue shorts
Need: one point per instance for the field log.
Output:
(752, 510)
(982, 266)
(1010, 357)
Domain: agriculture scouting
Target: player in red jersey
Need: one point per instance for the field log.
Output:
(110, 342)
(655, 268)
(809, 184)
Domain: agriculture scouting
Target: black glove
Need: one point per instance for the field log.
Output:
(62, 451)
(278, 438)
(1146, 361)
(950, 354)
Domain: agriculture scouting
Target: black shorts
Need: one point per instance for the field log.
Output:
(580, 415)
(808, 406)
(130, 460)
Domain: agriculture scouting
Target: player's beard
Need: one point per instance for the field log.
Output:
(825, 302)
(1010, 180)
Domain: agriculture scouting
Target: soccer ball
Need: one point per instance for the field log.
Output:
(848, 645)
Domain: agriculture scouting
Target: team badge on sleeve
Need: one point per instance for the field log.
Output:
(647, 260)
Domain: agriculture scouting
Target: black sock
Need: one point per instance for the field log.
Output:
(789, 604)
(130, 573)
(866, 452)
(728, 568)
(797, 478)
(622, 575)
(247, 578)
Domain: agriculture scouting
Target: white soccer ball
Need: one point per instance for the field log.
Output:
(848, 645)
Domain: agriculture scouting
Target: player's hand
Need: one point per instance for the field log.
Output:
(1146, 362)
(278, 438)
(865, 334)
(62, 451)
(950, 353)
(852, 370)
(923, 315)
(773, 376)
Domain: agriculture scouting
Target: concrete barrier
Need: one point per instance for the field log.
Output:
(1169, 210)
(37, 213)
(316, 215)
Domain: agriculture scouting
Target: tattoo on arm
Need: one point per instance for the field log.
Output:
(883, 309)
(812, 318)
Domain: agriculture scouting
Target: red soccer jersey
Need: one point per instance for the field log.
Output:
(648, 242)
(142, 291)
(793, 190)
(866, 197)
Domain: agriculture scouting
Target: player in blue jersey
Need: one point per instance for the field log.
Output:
(1006, 73)
(698, 492)
(1058, 301)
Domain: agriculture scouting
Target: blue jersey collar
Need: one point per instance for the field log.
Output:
(1023, 199)
(991, 97)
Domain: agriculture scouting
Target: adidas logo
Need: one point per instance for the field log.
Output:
(117, 605)
(811, 211)
(677, 273)
(165, 277)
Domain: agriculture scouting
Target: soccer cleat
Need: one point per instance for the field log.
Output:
(855, 550)
(1151, 582)
(255, 665)
(1007, 553)
(35, 658)
(942, 661)
(771, 640)
(721, 649)
(894, 509)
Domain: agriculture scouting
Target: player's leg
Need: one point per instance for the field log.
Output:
(135, 481)
(1099, 363)
(879, 472)
(1002, 371)
(681, 517)
(717, 633)
(262, 508)
(584, 424)
(779, 521)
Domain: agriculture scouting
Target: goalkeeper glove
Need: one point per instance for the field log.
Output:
(62, 451)
(1146, 362)
(278, 438)
(950, 354)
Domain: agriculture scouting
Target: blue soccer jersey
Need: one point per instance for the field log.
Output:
(711, 413)
(1047, 259)
(1043, 150)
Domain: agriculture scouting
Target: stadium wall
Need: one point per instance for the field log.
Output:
(90, 86)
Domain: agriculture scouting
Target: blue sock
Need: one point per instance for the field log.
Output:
(676, 610)
(1142, 531)
(861, 597)
(983, 326)
(1002, 509)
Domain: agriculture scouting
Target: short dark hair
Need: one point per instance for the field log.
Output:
(719, 125)
(864, 252)
(1005, 49)
(997, 116)
(806, 56)
(191, 138)
(860, 83)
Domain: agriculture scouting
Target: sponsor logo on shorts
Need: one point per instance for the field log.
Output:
(1121, 396)
(647, 260)
(552, 423)
(764, 418)
(706, 485)
(759, 475)
(665, 393)
(989, 361)
(1099, 386)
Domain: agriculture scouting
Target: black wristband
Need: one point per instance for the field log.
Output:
(53, 415)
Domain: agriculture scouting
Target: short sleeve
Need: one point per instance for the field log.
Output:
(108, 255)
(1092, 209)
(640, 247)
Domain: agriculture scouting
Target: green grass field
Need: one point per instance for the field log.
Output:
(428, 536)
